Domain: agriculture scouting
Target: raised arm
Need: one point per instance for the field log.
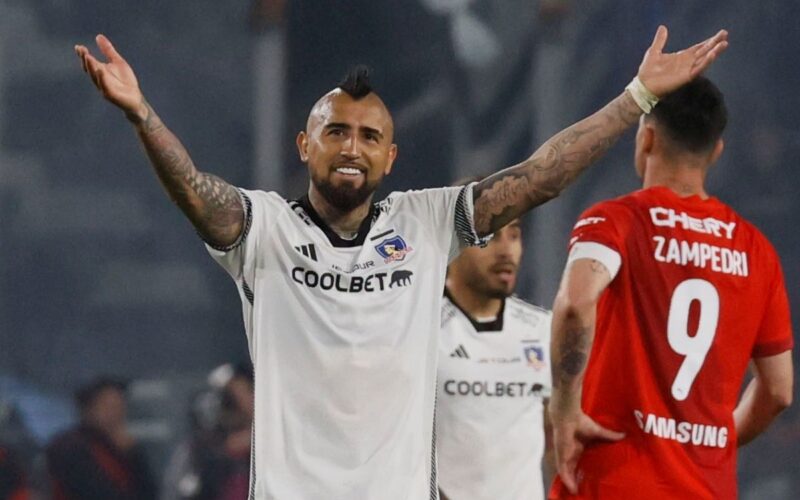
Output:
(211, 204)
(572, 335)
(508, 194)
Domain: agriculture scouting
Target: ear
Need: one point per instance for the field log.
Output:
(719, 147)
(648, 138)
(302, 145)
(390, 160)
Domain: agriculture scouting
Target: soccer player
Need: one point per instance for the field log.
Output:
(339, 293)
(493, 377)
(667, 295)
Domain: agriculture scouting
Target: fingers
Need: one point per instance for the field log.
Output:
(93, 68)
(660, 40)
(81, 51)
(703, 63)
(601, 432)
(567, 474)
(703, 48)
(107, 48)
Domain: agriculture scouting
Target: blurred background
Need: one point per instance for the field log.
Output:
(101, 275)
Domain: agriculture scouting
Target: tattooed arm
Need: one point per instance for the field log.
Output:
(573, 332)
(504, 196)
(508, 194)
(211, 204)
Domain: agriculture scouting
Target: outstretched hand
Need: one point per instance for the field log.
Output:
(570, 437)
(114, 78)
(663, 72)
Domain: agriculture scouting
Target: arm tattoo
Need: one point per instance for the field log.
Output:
(598, 267)
(573, 352)
(211, 204)
(504, 196)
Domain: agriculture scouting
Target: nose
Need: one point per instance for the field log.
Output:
(351, 147)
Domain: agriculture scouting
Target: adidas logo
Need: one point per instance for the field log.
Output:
(460, 352)
(308, 250)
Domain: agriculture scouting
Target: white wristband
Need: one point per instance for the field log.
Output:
(643, 97)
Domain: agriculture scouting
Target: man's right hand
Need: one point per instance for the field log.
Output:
(571, 434)
(114, 78)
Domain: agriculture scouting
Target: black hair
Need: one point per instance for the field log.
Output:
(356, 82)
(694, 116)
(86, 395)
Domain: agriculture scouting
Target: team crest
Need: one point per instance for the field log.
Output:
(393, 249)
(535, 356)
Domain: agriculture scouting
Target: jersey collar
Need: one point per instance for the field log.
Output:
(481, 326)
(335, 239)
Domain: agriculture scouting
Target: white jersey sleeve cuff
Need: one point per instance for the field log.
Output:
(610, 258)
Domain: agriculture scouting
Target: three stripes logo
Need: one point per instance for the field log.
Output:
(308, 250)
(460, 352)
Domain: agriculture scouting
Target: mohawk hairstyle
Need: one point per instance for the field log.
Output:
(356, 82)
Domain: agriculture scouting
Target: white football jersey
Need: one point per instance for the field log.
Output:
(492, 378)
(343, 335)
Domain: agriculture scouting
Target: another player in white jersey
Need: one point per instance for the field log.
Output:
(340, 295)
(493, 378)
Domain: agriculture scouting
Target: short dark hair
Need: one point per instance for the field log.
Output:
(694, 116)
(86, 395)
(356, 82)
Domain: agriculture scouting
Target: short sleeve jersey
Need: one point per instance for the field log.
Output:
(493, 378)
(343, 336)
(697, 292)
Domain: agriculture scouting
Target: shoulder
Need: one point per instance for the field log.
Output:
(422, 195)
(754, 238)
(613, 210)
(526, 311)
(449, 310)
(517, 302)
(258, 197)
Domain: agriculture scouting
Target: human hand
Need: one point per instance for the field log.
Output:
(115, 79)
(570, 436)
(663, 72)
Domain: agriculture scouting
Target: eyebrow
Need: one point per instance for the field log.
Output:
(339, 125)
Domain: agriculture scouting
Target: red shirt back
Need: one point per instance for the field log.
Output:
(700, 292)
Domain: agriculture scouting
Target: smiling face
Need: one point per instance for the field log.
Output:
(348, 148)
(492, 271)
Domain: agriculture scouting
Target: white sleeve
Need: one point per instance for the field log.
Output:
(449, 214)
(609, 257)
(260, 211)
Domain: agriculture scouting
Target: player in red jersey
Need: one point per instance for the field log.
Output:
(667, 295)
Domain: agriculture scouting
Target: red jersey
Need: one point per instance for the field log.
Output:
(699, 292)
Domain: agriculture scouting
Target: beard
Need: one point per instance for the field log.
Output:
(345, 197)
(488, 287)
(499, 292)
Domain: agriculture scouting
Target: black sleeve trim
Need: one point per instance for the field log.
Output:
(465, 225)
